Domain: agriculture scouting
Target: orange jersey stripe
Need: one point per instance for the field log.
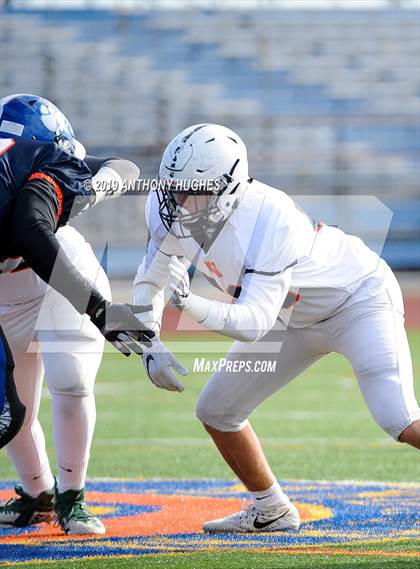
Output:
(57, 189)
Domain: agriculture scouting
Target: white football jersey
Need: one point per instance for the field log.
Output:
(271, 253)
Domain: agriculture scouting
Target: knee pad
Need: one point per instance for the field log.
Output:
(71, 374)
(396, 429)
(219, 419)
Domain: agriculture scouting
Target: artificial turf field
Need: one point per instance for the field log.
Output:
(317, 428)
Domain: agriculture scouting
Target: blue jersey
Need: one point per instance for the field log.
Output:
(23, 160)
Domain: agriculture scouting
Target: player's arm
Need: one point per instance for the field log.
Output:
(250, 318)
(34, 221)
(111, 177)
(268, 264)
(152, 276)
(151, 280)
(149, 285)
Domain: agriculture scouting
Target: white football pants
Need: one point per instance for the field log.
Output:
(47, 335)
(369, 333)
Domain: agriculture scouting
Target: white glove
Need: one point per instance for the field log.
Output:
(158, 362)
(179, 283)
(116, 177)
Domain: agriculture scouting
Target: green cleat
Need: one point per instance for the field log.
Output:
(26, 510)
(73, 516)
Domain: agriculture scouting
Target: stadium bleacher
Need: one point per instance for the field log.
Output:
(328, 101)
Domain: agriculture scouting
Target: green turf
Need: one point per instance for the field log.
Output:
(318, 427)
(248, 560)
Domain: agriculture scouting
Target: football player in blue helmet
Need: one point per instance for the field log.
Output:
(43, 175)
(40, 155)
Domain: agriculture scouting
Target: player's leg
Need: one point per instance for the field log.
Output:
(243, 452)
(73, 413)
(371, 335)
(71, 378)
(72, 350)
(27, 450)
(71, 360)
(224, 406)
(411, 435)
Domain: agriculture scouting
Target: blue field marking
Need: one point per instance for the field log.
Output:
(333, 513)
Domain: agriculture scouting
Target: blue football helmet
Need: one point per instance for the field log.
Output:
(36, 118)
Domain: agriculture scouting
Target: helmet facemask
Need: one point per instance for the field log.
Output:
(65, 143)
(185, 212)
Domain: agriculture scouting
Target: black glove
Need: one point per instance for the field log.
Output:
(117, 322)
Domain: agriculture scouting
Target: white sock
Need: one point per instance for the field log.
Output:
(71, 476)
(270, 499)
(73, 425)
(34, 484)
(29, 456)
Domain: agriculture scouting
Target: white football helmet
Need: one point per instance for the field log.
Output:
(203, 160)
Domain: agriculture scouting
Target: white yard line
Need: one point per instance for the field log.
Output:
(280, 442)
(298, 415)
(116, 387)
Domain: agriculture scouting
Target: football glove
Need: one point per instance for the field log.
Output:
(179, 283)
(119, 325)
(159, 364)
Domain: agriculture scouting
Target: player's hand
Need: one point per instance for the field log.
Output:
(119, 325)
(160, 364)
(179, 283)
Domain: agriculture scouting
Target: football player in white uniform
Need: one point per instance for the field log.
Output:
(305, 288)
